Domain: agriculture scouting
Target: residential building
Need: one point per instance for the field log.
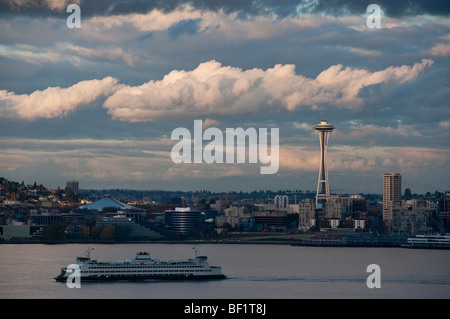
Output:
(392, 191)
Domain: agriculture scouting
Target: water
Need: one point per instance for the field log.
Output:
(254, 271)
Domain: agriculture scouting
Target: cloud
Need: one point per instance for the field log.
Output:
(359, 132)
(65, 51)
(282, 8)
(54, 102)
(355, 160)
(154, 20)
(28, 53)
(188, 19)
(440, 49)
(57, 5)
(369, 53)
(398, 8)
(444, 124)
(107, 160)
(213, 89)
(112, 54)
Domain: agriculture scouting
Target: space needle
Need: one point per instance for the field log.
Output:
(323, 188)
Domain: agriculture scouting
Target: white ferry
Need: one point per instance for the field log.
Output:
(429, 241)
(142, 267)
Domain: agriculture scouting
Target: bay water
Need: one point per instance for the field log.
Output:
(254, 271)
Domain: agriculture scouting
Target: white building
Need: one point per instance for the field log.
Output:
(306, 213)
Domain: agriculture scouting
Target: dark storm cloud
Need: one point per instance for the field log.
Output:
(282, 8)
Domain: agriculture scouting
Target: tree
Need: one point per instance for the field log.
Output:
(408, 193)
(84, 232)
(54, 231)
(70, 195)
(107, 232)
(96, 231)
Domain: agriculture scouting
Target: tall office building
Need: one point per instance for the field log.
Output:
(73, 185)
(392, 191)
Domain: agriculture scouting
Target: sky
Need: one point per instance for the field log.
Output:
(99, 103)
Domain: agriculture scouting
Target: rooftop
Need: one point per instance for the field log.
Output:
(108, 202)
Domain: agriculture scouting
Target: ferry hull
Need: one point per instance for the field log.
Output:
(144, 278)
(425, 246)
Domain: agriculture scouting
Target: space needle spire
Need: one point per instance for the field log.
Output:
(323, 188)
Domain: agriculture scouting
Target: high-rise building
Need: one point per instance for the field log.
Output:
(323, 188)
(392, 191)
(73, 185)
(444, 211)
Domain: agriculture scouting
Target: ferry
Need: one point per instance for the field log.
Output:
(429, 241)
(141, 268)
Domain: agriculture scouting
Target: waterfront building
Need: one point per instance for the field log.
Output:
(20, 230)
(183, 220)
(411, 222)
(444, 211)
(126, 227)
(273, 219)
(110, 202)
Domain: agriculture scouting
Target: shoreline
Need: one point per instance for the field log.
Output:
(295, 240)
(275, 243)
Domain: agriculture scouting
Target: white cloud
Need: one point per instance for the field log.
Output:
(210, 90)
(213, 89)
(54, 102)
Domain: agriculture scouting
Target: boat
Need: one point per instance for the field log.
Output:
(429, 241)
(141, 268)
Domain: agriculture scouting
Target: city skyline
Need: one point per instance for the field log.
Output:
(98, 104)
